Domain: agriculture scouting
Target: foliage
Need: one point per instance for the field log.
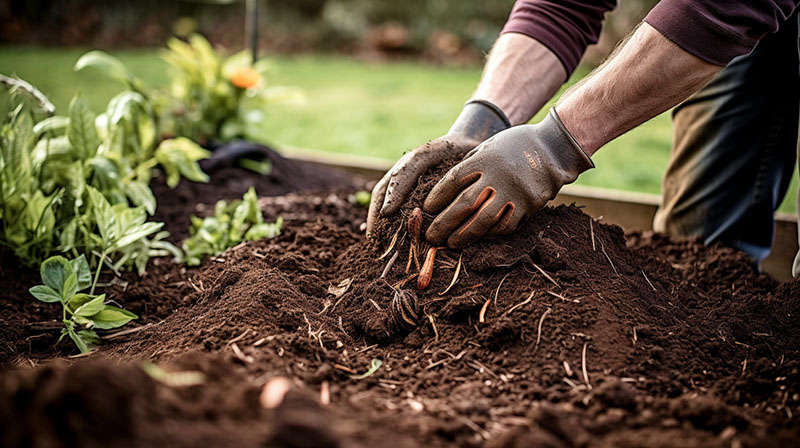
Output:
(209, 98)
(79, 184)
(362, 198)
(231, 224)
(63, 280)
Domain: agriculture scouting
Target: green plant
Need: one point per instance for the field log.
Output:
(209, 97)
(231, 224)
(362, 198)
(63, 280)
(79, 184)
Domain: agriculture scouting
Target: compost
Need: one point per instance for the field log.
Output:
(568, 333)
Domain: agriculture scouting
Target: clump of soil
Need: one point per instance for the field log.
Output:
(567, 333)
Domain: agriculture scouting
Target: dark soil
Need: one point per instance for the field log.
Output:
(589, 337)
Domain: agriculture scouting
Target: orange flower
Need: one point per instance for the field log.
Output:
(245, 77)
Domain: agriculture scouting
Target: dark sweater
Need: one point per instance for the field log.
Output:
(715, 31)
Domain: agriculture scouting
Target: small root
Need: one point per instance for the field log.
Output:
(539, 332)
(521, 304)
(583, 367)
(455, 277)
(497, 291)
(391, 244)
(546, 275)
(433, 324)
(390, 264)
(482, 315)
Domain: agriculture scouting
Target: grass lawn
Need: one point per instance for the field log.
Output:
(354, 107)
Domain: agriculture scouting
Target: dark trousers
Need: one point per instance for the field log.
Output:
(734, 150)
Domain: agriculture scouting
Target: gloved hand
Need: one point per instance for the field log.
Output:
(504, 179)
(478, 121)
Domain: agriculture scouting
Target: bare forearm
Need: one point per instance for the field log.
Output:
(647, 76)
(520, 76)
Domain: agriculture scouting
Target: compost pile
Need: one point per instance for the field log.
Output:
(568, 333)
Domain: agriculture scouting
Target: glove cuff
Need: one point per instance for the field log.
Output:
(479, 120)
(582, 160)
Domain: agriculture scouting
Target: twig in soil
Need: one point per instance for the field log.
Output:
(390, 264)
(603, 248)
(325, 393)
(475, 427)
(239, 338)
(559, 296)
(744, 366)
(391, 244)
(367, 348)
(482, 315)
(481, 368)
(497, 291)
(583, 367)
(455, 276)
(521, 304)
(194, 286)
(410, 257)
(344, 369)
(433, 324)
(237, 352)
(567, 368)
(648, 280)
(402, 282)
(547, 276)
(117, 334)
(375, 304)
(591, 230)
(539, 331)
(635, 337)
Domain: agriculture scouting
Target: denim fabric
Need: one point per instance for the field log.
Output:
(734, 149)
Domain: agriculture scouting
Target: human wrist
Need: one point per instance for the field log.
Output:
(569, 150)
(479, 120)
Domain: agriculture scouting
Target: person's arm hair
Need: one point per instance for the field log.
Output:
(646, 76)
(520, 76)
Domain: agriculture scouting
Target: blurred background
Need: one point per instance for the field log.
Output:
(369, 79)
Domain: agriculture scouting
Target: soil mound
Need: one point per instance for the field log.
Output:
(567, 333)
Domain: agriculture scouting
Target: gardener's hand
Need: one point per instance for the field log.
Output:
(504, 179)
(478, 121)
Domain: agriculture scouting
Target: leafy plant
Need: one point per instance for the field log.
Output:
(63, 280)
(231, 224)
(79, 184)
(209, 97)
(362, 198)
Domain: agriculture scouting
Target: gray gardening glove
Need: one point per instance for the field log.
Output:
(478, 121)
(504, 179)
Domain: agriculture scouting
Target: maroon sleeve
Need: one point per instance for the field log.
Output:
(718, 31)
(566, 27)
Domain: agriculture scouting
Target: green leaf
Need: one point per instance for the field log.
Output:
(362, 198)
(89, 337)
(51, 124)
(140, 193)
(81, 269)
(78, 340)
(91, 307)
(107, 64)
(137, 233)
(78, 300)
(179, 156)
(70, 286)
(103, 215)
(81, 132)
(374, 366)
(55, 271)
(112, 317)
(45, 294)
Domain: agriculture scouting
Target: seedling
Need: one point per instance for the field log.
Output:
(373, 367)
(231, 224)
(81, 313)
